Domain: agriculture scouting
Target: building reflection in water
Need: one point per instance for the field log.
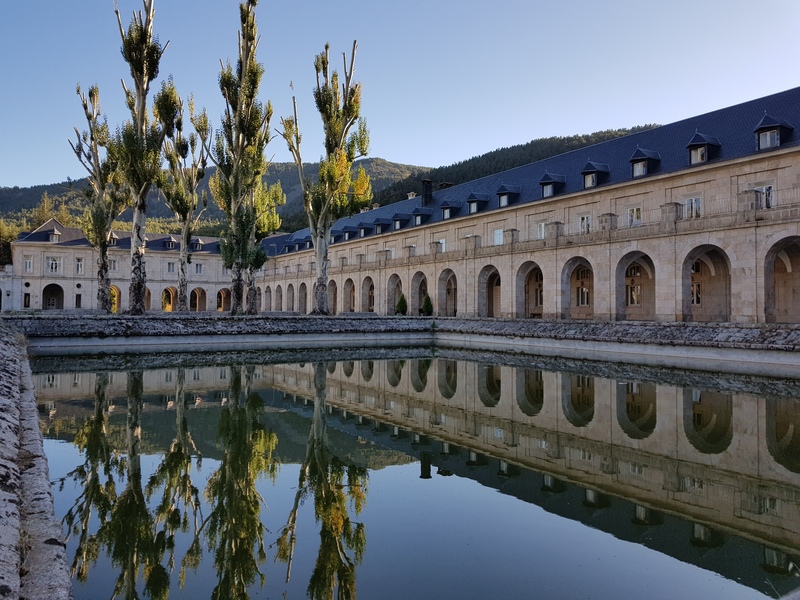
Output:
(626, 453)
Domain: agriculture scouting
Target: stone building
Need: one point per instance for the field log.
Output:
(692, 221)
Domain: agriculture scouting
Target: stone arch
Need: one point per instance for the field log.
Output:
(577, 398)
(333, 297)
(636, 408)
(489, 292)
(419, 289)
(447, 377)
(577, 289)
(116, 299)
(267, 299)
(529, 297)
(197, 300)
(708, 420)
(635, 288)
(52, 297)
(224, 300)
(367, 369)
(348, 367)
(259, 299)
(530, 391)
(290, 297)
(169, 299)
(782, 282)
(367, 295)
(783, 432)
(394, 371)
(278, 298)
(490, 384)
(419, 373)
(302, 299)
(706, 285)
(394, 288)
(349, 298)
(447, 294)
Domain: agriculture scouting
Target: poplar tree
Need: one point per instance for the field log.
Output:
(186, 160)
(336, 193)
(107, 195)
(140, 139)
(238, 153)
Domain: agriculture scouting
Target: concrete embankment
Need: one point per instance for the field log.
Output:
(33, 562)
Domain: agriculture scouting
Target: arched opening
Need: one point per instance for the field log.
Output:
(782, 282)
(394, 289)
(530, 391)
(447, 376)
(394, 371)
(636, 408)
(368, 295)
(259, 295)
(169, 299)
(147, 298)
(419, 373)
(52, 297)
(333, 297)
(278, 298)
(267, 299)
(577, 399)
(419, 289)
(290, 297)
(348, 367)
(706, 285)
(489, 384)
(302, 299)
(448, 294)
(577, 289)
(708, 419)
(783, 432)
(636, 288)
(116, 297)
(223, 300)
(349, 296)
(489, 292)
(197, 300)
(530, 291)
(367, 369)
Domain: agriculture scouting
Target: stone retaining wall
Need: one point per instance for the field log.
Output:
(33, 562)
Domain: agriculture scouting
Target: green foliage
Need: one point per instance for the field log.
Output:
(402, 305)
(427, 306)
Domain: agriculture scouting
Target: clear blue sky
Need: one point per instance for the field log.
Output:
(444, 80)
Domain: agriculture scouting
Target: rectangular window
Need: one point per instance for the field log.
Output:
(223, 373)
(78, 266)
(498, 237)
(696, 294)
(53, 264)
(640, 168)
(196, 375)
(503, 200)
(765, 199)
(589, 180)
(548, 189)
(473, 208)
(112, 264)
(582, 296)
(587, 455)
(170, 267)
(379, 228)
(346, 236)
(584, 224)
(538, 296)
(582, 273)
(636, 468)
(768, 139)
(361, 233)
(692, 208)
(633, 295)
(198, 268)
(28, 260)
(76, 379)
(417, 219)
(635, 270)
(26, 300)
(442, 244)
(541, 230)
(697, 155)
(634, 216)
(168, 377)
(77, 301)
(445, 213)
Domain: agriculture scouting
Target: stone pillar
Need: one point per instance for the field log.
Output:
(670, 212)
(410, 251)
(747, 202)
(511, 236)
(553, 230)
(607, 222)
(342, 262)
(361, 259)
(436, 248)
(383, 257)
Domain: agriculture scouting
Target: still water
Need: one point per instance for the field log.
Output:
(421, 477)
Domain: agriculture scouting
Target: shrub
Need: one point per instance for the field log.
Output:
(427, 306)
(402, 305)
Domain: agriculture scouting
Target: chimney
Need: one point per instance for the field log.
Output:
(427, 191)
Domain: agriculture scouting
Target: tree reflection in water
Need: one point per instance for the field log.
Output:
(234, 530)
(330, 482)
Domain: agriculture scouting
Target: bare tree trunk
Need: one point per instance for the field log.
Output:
(251, 307)
(321, 285)
(138, 286)
(103, 282)
(237, 288)
(183, 300)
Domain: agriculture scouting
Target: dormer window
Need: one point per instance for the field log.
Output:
(769, 139)
(475, 202)
(771, 131)
(362, 232)
(112, 239)
(379, 228)
(551, 183)
(548, 190)
(702, 148)
(502, 200)
(639, 168)
(169, 244)
(346, 236)
(55, 236)
(446, 213)
(644, 162)
(397, 224)
(473, 208)
(417, 219)
(308, 245)
(594, 174)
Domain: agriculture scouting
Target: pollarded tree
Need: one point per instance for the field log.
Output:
(186, 159)
(107, 195)
(336, 193)
(141, 139)
(238, 153)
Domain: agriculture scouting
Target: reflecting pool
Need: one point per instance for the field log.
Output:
(427, 475)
